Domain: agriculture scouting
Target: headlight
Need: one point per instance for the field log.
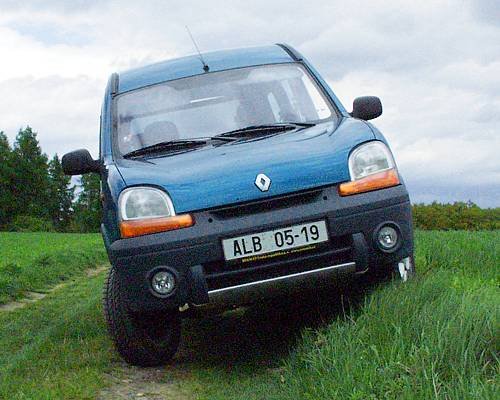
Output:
(145, 202)
(145, 210)
(371, 167)
(369, 159)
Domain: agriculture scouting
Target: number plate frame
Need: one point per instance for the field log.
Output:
(269, 248)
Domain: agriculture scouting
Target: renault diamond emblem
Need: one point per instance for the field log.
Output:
(263, 182)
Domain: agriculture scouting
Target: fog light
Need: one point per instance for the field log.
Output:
(387, 237)
(163, 282)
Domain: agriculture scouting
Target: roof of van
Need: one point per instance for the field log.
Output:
(191, 65)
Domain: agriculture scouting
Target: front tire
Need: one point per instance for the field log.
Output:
(404, 269)
(141, 339)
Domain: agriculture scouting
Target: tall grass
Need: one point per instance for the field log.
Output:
(425, 340)
(436, 337)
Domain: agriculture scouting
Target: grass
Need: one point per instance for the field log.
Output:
(435, 337)
(57, 348)
(35, 261)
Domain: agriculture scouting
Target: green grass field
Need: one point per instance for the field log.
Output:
(34, 261)
(435, 337)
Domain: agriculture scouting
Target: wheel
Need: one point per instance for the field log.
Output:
(402, 270)
(141, 339)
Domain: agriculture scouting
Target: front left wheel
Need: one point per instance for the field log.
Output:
(145, 339)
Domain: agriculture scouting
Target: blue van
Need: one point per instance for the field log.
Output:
(233, 177)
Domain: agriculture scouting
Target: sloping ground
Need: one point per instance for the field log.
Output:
(436, 337)
(34, 262)
(56, 348)
(128, 382)
(32, 297)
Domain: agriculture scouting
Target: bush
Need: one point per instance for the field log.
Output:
(27, 223)
(456, 216)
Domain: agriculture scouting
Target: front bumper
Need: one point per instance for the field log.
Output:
(195, 254)
(248, 292)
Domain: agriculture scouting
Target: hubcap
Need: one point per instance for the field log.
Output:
(404, 268)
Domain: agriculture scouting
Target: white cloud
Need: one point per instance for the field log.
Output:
(435, 64)
(64, 111)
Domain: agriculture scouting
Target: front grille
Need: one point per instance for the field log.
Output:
(275, 203)
(220, 274)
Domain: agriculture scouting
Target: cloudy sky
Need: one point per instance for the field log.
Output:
(435, 65)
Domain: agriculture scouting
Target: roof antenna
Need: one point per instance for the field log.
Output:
(206, 68)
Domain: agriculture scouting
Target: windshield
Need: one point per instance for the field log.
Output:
(210, 104)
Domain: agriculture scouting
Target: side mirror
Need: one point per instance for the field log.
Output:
(366, 107)
(79, 162)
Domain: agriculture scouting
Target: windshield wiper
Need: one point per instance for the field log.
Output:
(266, 129)
(249, 131)
(180, 144)
(301, 124)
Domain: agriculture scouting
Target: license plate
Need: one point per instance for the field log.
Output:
(276, 241)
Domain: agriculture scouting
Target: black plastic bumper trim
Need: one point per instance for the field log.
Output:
(251, 291)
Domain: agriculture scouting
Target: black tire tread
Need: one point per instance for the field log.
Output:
(133, 346)
(387, 273)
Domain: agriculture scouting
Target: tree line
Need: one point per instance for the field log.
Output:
(35, 195)
(456, 216)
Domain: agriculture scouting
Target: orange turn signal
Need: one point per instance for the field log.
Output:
(376, 181)
(140, 227)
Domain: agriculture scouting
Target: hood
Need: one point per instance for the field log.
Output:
(216, 176)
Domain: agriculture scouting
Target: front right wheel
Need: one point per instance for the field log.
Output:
(404, 269)
(145, 339)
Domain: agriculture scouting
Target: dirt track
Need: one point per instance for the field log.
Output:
(129, 382)
(31, 297)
